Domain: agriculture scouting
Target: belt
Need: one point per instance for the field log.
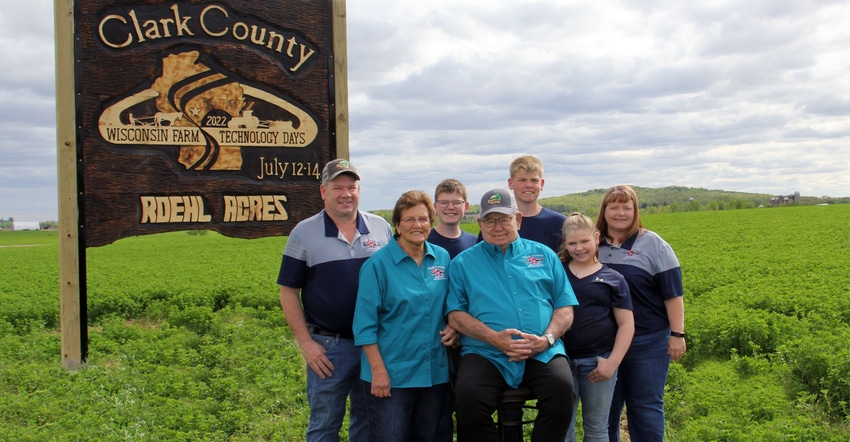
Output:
(325, 332)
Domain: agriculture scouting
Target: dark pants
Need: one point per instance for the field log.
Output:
(411, 414)
(479, 385)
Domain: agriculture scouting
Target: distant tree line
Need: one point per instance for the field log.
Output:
(678, 199)
(669, 199)
(666, 207)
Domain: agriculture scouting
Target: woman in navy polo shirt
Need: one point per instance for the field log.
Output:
(399, 321)
(654, 277)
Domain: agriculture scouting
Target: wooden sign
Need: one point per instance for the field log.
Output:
(203, 115)
(190, 115)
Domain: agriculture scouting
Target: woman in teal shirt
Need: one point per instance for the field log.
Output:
(400, 322)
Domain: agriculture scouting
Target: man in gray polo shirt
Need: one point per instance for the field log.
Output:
(318, 281)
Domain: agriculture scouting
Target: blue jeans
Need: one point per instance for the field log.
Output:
(595, 400)
(411, 414)
(327, 396)
(640, 386)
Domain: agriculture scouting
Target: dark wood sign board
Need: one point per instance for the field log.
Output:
(202, 115)
(195, 115)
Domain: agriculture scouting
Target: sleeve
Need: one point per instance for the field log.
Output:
(670, 283)
(562, 294)
(458, 298)
(620, 291)
(369, 294)
(389, 229)
(293, 264)
(667, 272)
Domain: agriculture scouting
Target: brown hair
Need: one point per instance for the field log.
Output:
(450, 185)
(410, 199)
(619, 194)
(575, 221)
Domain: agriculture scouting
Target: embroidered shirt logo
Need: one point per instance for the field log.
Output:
(438, 272)
(371, 244)
(534, 260)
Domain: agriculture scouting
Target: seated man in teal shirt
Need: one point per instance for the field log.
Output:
(511, 300)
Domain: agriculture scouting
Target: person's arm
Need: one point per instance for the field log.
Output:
(380, 377)
(530, 345)
(312, 351)
(503, 340)
(676, 347)
(563, 299)
(562, 320)
(450, 337)
(625, 332)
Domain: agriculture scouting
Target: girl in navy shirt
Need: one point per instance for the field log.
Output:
(602, 329)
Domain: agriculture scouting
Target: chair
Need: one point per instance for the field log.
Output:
(515, 400)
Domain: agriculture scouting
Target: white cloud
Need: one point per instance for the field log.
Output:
(744, 96)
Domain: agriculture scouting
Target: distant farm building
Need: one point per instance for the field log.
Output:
(780, 200)
(25, 225)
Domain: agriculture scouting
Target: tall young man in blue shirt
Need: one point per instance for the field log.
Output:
(538, 223)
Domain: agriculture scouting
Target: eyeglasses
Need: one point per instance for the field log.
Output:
(490, 223)
(445, 203)
(422, 221)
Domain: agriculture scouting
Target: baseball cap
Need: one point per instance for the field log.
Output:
(498, 200)
(336, 167)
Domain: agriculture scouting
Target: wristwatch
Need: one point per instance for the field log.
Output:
(551, 338)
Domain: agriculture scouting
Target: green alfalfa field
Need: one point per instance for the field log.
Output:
(187, 341)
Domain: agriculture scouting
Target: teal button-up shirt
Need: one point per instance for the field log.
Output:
(400, 308)
(520, 288)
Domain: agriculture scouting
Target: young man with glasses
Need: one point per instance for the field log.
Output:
(451, 205)
(509, 297)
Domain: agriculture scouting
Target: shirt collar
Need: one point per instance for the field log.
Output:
(332, 231)
(398, 253)
(628, 244)
(494, 250)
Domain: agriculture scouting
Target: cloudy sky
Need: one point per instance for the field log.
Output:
(745, 96)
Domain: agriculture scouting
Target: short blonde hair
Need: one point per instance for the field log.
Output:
(528, 163)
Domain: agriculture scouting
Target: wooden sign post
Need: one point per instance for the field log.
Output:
(190, 115)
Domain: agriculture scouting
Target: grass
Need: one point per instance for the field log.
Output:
(187, 341)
